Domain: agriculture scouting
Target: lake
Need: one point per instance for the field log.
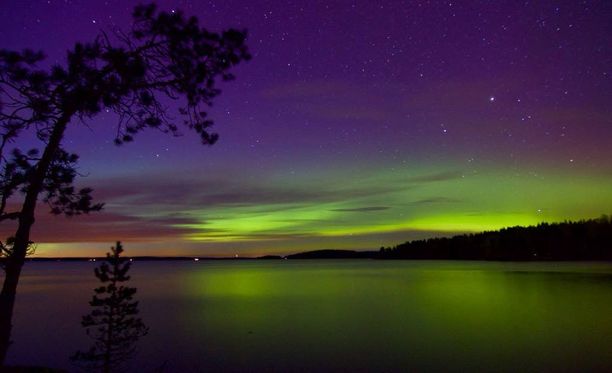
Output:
(333, 315)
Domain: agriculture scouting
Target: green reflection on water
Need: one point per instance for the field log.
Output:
(372, 315)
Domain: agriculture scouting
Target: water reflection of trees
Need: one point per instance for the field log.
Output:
(113, 322)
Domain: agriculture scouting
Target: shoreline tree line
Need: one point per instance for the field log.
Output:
(569, 240)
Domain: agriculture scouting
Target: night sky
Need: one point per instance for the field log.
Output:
(356, 124)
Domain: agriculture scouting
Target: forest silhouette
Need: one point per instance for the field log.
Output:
(580, 240)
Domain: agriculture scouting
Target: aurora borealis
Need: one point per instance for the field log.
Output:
(357, 124)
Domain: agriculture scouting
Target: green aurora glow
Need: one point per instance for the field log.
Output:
(379, 208)
(385, 208)
(466, 203)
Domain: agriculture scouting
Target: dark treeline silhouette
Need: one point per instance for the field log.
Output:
(581, 240)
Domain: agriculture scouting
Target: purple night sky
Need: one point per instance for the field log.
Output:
(356, 124)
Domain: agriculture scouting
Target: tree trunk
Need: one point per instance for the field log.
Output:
(15, 261)
(6, 315)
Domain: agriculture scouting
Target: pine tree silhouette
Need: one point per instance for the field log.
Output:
(112, 323)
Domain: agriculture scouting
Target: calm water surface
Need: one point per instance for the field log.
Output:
(334, 315)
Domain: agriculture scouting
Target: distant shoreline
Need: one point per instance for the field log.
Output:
(309, 255)
(581, 241)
